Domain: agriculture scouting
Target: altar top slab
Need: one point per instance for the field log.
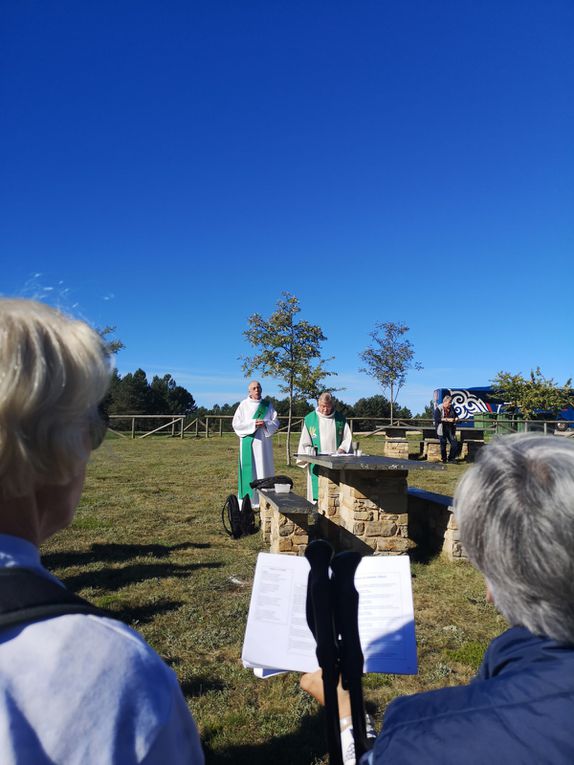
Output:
(366, 462)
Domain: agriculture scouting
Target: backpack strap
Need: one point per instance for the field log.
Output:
(26, 596)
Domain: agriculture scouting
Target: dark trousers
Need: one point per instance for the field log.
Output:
(448, 435)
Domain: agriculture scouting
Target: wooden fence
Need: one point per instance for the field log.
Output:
(179, 425)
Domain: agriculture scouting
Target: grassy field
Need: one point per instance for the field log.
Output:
(147, 544)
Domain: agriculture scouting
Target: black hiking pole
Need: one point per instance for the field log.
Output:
(320, 620)
(346, 601)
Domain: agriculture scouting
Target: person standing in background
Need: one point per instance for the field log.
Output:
(255, 422)
(327, 431)
(445, 420)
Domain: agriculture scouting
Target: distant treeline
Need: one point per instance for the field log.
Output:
(133, 394)
(374, 406)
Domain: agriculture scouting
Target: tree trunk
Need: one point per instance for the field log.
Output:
(290, 417)
(392, 403)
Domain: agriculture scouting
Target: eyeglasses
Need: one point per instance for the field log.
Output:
(98, 427)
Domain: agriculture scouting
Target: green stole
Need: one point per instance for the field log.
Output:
(246, 456)
(312, 425)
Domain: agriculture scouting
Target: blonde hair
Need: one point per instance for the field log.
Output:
(54, 371)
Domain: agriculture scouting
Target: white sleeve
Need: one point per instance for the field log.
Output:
(304, 443)
(243, 425)
(271, 421)
(347, 439)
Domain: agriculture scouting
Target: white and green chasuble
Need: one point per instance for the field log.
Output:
(256, 447)
(329, 434)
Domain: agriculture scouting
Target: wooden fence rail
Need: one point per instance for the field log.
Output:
(178, 425)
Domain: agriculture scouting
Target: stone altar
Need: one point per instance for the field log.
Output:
(365, 499)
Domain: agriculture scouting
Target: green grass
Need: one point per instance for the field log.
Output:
(148, 545)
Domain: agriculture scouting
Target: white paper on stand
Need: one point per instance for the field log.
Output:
(277, 635)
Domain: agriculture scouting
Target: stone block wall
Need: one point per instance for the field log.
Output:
(289, 534)
(397, 448)
(370, 511)
(433, 527)
(284, 533)
(452, 548)
(470, 449)
(265, 514)
(432, 449)
(382, 517)
(328, 499)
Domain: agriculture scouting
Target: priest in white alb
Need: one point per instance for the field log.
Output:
(327, 431)
(255, 422)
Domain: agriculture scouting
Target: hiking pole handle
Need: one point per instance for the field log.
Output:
(319, 607)
(351, 657)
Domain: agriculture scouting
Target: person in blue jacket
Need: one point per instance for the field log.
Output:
(515, 510)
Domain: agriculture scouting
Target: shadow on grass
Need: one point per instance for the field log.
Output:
(305, 746)
(116, 552)
(200, 685)
(114, 578)
(136, 615)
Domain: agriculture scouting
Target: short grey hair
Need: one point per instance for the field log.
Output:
(515, 510)
(54, 371)
(326, 397)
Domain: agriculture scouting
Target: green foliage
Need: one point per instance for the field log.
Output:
(168, 396)
(132, 394)
(286, 351)
(347, 410)
(536, 394)
(389, 358)
(299, 407)
(112, 345)
(427, 413)
(375, 406)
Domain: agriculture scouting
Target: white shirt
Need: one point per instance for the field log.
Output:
(79, 689)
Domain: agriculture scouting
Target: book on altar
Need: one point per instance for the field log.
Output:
(278, 639)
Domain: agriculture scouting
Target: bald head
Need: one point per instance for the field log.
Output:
(254, 390)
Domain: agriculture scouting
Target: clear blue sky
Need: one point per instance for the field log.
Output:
(171, 168)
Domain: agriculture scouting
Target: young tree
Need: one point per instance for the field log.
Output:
(389, 358)
(535, 394)
(286, 350)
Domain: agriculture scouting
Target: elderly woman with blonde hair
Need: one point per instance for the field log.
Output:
(75, 687)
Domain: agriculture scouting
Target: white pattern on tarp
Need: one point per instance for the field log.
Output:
(467, 404)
